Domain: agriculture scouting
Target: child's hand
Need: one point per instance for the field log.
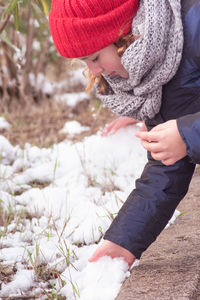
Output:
(117, 124)
(164, 142)
(113, 250)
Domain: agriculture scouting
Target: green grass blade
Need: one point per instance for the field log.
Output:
(11, 6)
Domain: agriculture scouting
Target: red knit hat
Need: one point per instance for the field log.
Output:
(82, 27)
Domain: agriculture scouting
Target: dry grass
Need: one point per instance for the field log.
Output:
(39, 123)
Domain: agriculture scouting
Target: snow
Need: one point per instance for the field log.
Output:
(105, 277)
(62, 90)
(22, 282)
(72, 99)
(4, 124)
(73, 127)
(40, 82)
(76, 76)
(82, 187)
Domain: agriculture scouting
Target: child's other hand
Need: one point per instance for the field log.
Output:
(117, 124)
(164, 142)
(113, 250)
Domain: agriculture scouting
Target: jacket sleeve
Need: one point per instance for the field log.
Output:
(189, 128)
(150, 205)
(189, 125)
(192, 32)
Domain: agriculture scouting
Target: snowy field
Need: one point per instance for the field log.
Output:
(61, 200)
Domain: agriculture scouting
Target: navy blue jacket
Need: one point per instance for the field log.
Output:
(160, 188)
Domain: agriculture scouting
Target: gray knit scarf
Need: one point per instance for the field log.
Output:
(151, 60)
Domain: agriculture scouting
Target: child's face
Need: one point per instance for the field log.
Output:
(106, 62)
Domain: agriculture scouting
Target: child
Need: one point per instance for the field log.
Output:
(131, 85)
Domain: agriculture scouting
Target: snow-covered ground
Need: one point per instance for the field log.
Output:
(80, 188)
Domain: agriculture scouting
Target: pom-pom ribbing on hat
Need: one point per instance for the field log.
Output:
(82, 27)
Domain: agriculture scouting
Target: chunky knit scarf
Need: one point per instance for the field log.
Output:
(151, 60)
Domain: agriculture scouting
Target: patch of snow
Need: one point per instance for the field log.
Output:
(73, 128)
(4, 124)
(82, 187)
(72, 99)
(98, 280)
(76, 76)
(22, 282)
(14, 254)
(173, 218)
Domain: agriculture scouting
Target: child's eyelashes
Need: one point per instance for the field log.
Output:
(95, 59)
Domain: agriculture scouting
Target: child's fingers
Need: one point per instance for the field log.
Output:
(108, 132)
(148, 136)
(110, 129)
(151, 146)
(105, 131)
(160, 156)
(95, 256)
(169, 161)
(117, 124)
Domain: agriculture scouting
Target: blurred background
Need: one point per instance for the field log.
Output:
(39, 90)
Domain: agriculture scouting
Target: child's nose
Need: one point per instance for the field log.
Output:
(95, 68)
